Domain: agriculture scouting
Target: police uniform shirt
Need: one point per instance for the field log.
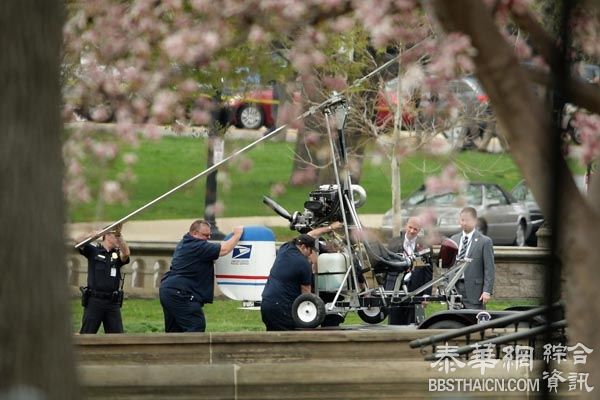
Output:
(290, 270)
(192, 268)
(104, 267)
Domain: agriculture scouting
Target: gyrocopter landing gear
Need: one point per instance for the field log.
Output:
(372, 315)
(308, 311)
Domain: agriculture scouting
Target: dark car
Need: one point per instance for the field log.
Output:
(508, 221)
(523, 194)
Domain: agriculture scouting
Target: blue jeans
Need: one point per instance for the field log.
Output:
(183, 312)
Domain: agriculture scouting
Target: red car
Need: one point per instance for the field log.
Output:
(252, 109)
(384, 109)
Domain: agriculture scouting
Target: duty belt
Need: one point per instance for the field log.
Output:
(101, 295)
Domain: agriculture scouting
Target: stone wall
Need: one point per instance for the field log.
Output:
(519, 271)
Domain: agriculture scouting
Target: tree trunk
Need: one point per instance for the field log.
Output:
(36, 350)
(395, 167)
(530, 134)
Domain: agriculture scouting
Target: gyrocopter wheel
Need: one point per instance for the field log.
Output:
(308, 311)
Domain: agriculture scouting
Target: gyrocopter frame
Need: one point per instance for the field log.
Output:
(338, 287)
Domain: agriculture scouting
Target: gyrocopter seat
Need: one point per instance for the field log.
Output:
(448, 251)
(392, 262)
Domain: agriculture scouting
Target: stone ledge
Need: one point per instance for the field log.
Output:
(309, 380)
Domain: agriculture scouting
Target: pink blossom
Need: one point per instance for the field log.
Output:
(188, 86)
(277, 189)
(336, 83)
(343, 24)
(127, 176)
(151, 132)
(304, 176)
(100, 113)
(104, 151)
(130, 158)
(447, 181)
(588, 128)
(439, 146)
(257, 35)
(113, 193)
(311, 139)
(211, 40)
(176, 45)
(245, 164)
(454, 58)
(287, 113)
(74, 168)
(215, 209)
(164, 105)
(201, 117)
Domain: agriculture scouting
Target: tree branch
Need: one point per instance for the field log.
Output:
(542, 40)
(579, 92)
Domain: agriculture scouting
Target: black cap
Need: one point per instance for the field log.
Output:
(306, 240)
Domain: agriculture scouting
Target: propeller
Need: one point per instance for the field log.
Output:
(277, 208)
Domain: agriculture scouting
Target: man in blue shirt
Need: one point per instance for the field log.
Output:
(189, 284)
(290, 276)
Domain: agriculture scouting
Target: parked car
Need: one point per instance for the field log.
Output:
(252, 109)
(508, 220)
(474, 115)
(385, 104)
(523, 194)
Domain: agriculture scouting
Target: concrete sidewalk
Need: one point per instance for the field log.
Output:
(172, 230)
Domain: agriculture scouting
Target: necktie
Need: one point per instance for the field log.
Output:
(463, 249)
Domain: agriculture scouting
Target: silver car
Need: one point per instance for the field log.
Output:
(508, 221)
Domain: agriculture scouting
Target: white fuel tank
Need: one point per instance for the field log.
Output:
(242, 274)
(331, 270)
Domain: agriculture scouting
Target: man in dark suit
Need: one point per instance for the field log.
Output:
(478, 281)
(409, 244)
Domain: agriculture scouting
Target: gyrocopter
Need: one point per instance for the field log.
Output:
(338, 287)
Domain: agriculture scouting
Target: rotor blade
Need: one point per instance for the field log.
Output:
(277, 208)
(190, 180)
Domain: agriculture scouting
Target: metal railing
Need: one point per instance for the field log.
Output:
(534, 319)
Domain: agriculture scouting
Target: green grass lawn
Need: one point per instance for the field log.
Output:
(145, 316)
(165, 163)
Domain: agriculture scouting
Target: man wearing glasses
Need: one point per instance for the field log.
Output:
(189, 284)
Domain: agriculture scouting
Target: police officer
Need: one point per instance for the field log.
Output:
(102, 298)
(189, 284)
